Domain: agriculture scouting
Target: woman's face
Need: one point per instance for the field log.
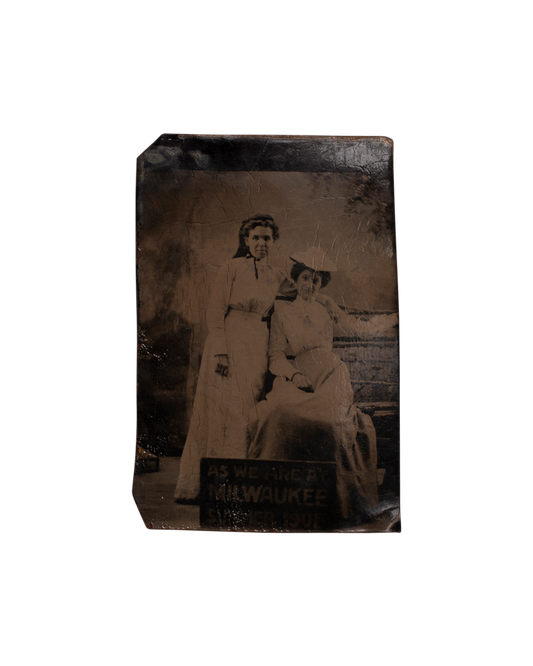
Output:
(308, 283)
(259, 242)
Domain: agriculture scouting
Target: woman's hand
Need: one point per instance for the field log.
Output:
(302, 382)
(222, 365)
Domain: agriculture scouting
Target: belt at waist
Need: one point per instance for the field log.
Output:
(247, 315)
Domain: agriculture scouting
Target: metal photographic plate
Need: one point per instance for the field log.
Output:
(268, 365)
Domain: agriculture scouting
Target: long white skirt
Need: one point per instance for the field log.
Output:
(324, 425)
(219, 423)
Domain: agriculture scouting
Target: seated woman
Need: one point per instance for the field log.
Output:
(309, 415)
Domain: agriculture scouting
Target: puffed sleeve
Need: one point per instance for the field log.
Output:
(287, 289)
(218, 307)
(277, 361)
(332, 308)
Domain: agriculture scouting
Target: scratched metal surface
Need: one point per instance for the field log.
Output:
(192, 194)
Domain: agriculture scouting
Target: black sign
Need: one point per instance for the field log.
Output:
(267, 495)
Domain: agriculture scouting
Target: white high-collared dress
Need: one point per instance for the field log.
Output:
(325, 425)
(241, 299)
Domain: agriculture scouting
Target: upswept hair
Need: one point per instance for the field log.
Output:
(252, 223)
(299, 268)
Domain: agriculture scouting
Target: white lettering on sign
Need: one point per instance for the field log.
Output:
(261, 494)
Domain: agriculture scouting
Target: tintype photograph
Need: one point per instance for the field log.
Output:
(267, 335)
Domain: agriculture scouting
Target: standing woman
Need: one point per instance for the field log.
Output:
(235, 357)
